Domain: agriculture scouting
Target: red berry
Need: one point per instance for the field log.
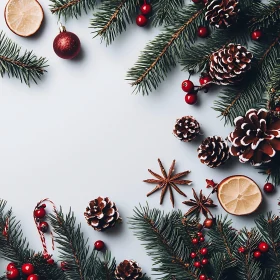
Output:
(99, 245)
(33, 277)
(202, 32)
(141, 20)
(193, 255)
(277, 109)
(205, 80)
(27, 268)
(40, 213)
(202, 277)
(195, 241)
(208, 223)
(10, 266)
(257, 254)
(204, 251)
(146, 9)
(256, 35)
(201, 239)
(197, 264)
(13, 273)
(50, 261)
(187, 86)
(43, 226)
(199, 234)
(204, 261)
(43, 205)
(268, 188)
(191, 98)
(241, 250)
(196, 1)
(63, 265)
(263, 247)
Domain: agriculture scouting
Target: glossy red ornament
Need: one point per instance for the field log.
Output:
(43, 226)
(13, 273)
(203, 251)
(202, 277)
(66, 44)
(256, 35)
(10, 266)
(40, 213)
(187, 86)
(99, 245)
(141, 20)
(146, 9)
(191, 98)
(33, 277)
(195, 241)
(197, 264)
(50, 261)
(27, 268)
(268, 188)
(204, 261)
(201, 239)
(208, 223)
(263, 247)
(202, 32)
(205, 80)
(193, 255)
(241, 250)
(257, 254)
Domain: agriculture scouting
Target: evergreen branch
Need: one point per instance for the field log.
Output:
(112, 18)
(71, 8)
(106, 268)
(161, 54)
(26, 67)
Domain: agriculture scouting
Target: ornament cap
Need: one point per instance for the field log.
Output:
(62, 28)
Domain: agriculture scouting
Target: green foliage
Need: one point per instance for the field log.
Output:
(71, 8)
(27, 67)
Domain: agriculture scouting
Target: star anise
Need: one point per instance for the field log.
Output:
(167, 182)
(200, 203)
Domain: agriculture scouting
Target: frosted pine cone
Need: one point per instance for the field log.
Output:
(186, 129)
(256, 137)
(128, 270)
(222, 13)
(229, 64)
(102, 214)
(213, 151)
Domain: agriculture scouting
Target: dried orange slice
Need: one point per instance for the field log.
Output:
(24, 17)
(239, 195)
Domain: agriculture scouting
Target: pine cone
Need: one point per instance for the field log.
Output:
(102, 214)
(256, 137)
(229, 64)
(186, 129)
(222, 13)
(128, 270)
(213, 151)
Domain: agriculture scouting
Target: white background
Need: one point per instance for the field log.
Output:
(81, 133)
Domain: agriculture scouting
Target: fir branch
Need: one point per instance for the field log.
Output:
(71, 8)
(26, 67)
(112, 18)
(162, 54)
(106, 268)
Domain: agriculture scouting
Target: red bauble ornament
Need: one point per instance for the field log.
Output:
(40, 213)
(13, 273)
(146, 9)
(187, 86)
(263, 247)
(66, 44)
(191, 98)
(202, 32)
(202, 277)
(205, 80)
(257, 254)
(27, 268)
(50, 261)
(195, 241)
(99, 245)
(141, 20)
(204, 261)
(33, 277)
(268, 188)
(10, 266)
(197, 264)
(193, 255)
(256, 35)
(43, 226)
(241, 250)
(203, 251)
(208, 223)
(201, 239)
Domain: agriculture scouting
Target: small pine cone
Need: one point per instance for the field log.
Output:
(229, 64)
(186, 129)
(102, 214)
(128, 270)
(222, 13)
(213, 151)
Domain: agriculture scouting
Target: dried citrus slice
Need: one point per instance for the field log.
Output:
(24, 17)
(239, 195)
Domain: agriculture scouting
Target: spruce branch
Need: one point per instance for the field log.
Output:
(105, 268)
(27, 67)
(71, 8)
(163, 53)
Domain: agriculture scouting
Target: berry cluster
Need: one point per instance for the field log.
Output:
(263, 248)
(146, 10)
(27, 269)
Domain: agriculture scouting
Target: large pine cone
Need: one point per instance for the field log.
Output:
(229, 64)
(102, 214)
(256, 137)
(128, 270)
(222, 13)
(213, 151)
(186, 129)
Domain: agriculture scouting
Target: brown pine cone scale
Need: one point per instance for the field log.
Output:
(186, 128)
(128, 270)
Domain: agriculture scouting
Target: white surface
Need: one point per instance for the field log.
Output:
(81, 133)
